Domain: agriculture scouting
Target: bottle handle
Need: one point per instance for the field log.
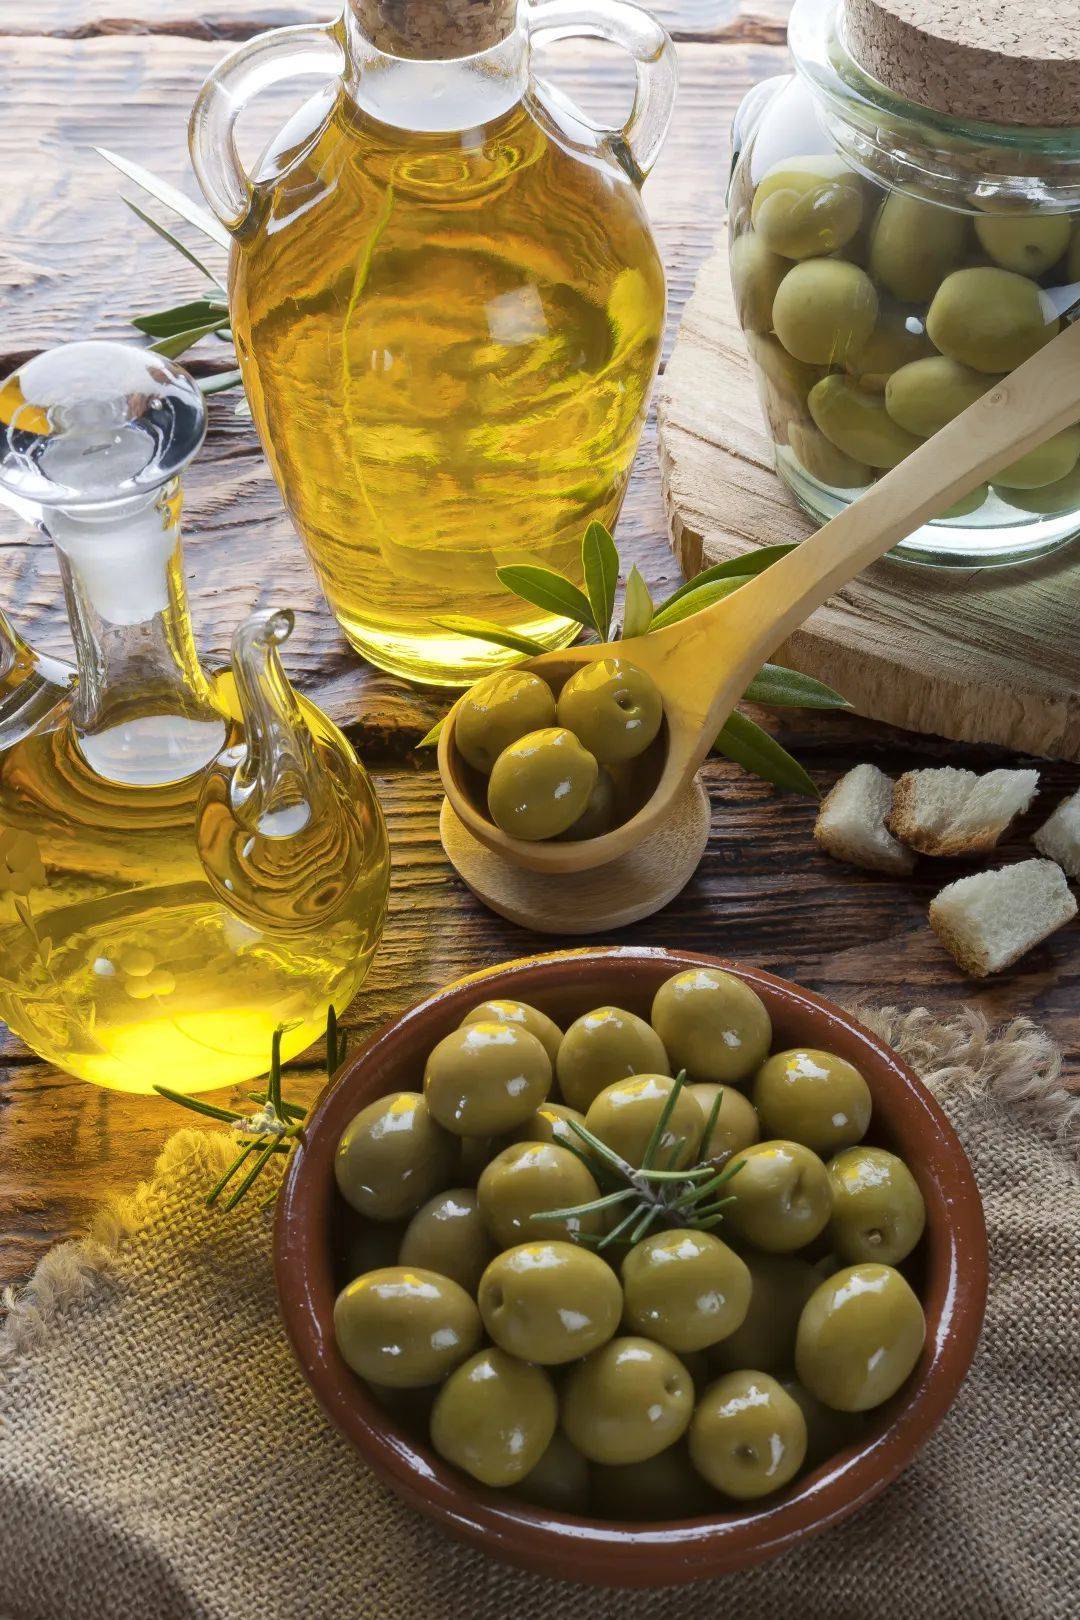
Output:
(637, 144)
(283, 53)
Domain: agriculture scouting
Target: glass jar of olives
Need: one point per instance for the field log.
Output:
(891, 262)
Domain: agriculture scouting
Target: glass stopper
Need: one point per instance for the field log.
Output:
(88, 423)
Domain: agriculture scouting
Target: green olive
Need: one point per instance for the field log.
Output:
(824, 461)
(812, 1097)
(392, 1156)
(748, 1437)
(878, 1211)
(598, 816)
(990, 319)
(899, 338)
(924, 396)
(603, 1046)
(559, 1481)
(781, 1198)
(736, 1125)
(541, 784)
(806, 206)
(780, 1285)
(756, 272)
(495, 1418)
(824, 311)
(666, 1486)
(626, 1401)
(404, 1327)
(712, 1025)
(1048, 463)
(550, 1302)
(1063, 495)
(613, 708)
(526, 1180)
(485, 1078)
(625, 1116)
(497, 711)
(685, 1289)
(783, 376)
(860, 1334)
(550, 1123)
(965, 505)
(1026, 243)
(858, 423)
(914, 245)
(537, 1023)
(448, 1235)
(827, 1432)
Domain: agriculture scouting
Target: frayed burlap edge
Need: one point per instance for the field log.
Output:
(1017, 1067)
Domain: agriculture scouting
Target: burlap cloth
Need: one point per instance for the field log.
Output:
(161, 1457)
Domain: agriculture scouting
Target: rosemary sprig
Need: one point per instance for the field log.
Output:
(273, 1130)
(740, 739)
(674, 1198)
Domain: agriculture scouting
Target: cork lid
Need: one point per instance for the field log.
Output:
(996, 61)
(430, 29)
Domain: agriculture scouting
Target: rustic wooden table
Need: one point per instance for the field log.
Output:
(75, 74)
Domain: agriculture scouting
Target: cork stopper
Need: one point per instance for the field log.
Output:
(429, 29)
(996, 61)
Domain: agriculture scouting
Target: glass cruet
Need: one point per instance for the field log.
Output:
(188, 862)
(447, 305)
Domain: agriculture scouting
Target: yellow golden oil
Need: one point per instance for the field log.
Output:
(448, 342)
(118, 960)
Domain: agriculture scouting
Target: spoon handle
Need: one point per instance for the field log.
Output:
(1036, 400)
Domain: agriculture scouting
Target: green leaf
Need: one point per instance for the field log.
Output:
(637, 606)
(433, 735)
(462, 625)
(170, 347)
(600, 563)
(170, 196)
(548, 590)
(743, 568)
(174, 241)
(182, 318)
(745, 743)
(693, 601)
(220, 382)
(783, 688)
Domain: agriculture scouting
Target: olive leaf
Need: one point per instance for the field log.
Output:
(780, 688)
(219, 381)
(173, 241)
(743, 568)
(637, 606)
(170, 196)
(173, 346)
(482, 630)
(431, 738)
(181, 318)
(684, 607)
(600, 565)
(548, 590)
(745, 744)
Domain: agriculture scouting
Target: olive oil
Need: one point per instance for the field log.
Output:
(448, 341)
(118, 960)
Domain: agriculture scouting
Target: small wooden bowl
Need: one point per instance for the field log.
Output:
(952, 1284)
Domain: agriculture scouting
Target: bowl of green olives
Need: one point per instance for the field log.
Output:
(889, 268)
(631, 1264)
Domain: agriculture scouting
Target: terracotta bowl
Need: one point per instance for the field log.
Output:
(948, 1270)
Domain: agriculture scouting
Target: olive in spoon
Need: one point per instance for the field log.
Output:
(703, 664)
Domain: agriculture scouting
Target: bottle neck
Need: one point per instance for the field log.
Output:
(143, 711)
(440, 78)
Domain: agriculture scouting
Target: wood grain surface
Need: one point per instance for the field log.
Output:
(122, 73)
(984, 655)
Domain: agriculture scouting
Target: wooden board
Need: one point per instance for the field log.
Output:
(989, 655)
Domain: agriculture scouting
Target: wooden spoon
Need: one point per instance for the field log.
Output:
(705, 663)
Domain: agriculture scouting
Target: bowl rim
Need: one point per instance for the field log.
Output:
(595, 1551)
